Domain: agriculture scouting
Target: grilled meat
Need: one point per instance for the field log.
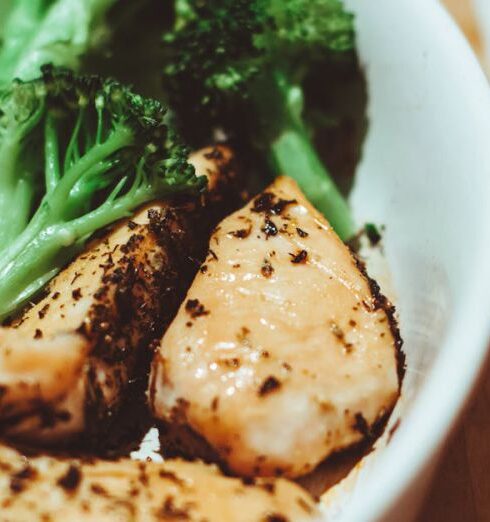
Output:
(68, 362)
(284, 351)
(48, 489)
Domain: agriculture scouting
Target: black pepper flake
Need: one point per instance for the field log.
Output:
(242, 335)
(233, 362)
(213, 255)
(131, 245)
(195, 309)
(169, 511)
(43, 311)
(372, 233)
(270, 487)
(304, 505)
(170, 475)
(55, 295)
(77, 294)
(76, 276)
(299, 258)
(71, 479)
(248, 481)
(242, 233)
(269, 228)
(268, 204)
(270, 385)
(203, 269)
(18, 481)
(263, 203)
(132, 225)
(143, 476)
(275, 517)
(285, 229)
(16, 485)
(337, 331)
(97, 489)
(267, 269)
(279, 207)
(340, 335)
(301, 233)
(38, 334)
(361, 425)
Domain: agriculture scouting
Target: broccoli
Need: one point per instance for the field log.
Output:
(240, 65)
(77, 153)
(36, 32)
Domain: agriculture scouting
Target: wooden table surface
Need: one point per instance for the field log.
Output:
(461, 490)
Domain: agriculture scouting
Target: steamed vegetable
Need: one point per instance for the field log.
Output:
(36, 32)
(89, 151)
(241, 64)
(33, 33)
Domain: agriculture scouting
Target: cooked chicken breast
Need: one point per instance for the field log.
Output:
(284, 351)
(48, 489)
(67, 363)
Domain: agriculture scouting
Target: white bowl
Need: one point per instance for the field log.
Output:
(425, 174)
(482, 10)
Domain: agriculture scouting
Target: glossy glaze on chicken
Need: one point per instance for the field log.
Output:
(283, 351)
(47, 489)
(69, 362)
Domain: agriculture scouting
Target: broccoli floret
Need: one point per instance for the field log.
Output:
(241, 64)
(49, 31)
(76, 153)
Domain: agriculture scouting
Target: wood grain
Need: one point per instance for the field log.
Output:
(461, 490)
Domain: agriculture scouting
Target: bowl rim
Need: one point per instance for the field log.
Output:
(410, 454)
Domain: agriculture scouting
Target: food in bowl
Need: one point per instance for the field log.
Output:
(270, 347)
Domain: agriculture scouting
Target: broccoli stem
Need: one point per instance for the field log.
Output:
(51, 154)
(57, 205)
(33, 256)
(16, 195)
(23, 276)
(77, 153)
(39, 259)
(292, 153)
(17, 187)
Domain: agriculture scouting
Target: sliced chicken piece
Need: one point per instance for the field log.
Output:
(65, 365)
(48, 489)
(284, 351)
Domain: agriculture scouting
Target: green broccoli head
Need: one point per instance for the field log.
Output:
(49, 31)
(240, 65)
(304, 29)
(76, 154)
(219, 50)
